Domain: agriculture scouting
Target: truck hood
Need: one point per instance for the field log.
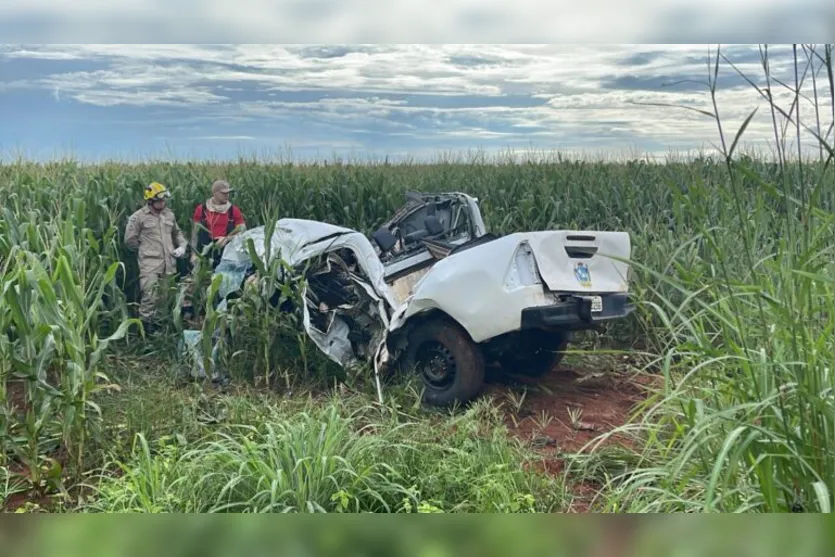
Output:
(297, 242)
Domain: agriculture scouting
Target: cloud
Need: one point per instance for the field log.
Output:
(452, 70)
(399, 96)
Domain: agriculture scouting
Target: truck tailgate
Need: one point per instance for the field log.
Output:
(582, 261)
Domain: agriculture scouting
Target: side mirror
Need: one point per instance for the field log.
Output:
(384, 238)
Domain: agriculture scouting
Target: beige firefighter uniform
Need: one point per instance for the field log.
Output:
(154, 235)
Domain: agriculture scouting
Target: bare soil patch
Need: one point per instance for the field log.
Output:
(560, 413)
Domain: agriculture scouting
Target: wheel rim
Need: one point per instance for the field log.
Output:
(436, 364)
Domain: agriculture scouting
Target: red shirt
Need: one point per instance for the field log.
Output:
(217, 221)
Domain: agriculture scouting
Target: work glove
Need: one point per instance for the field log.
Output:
(179, 252)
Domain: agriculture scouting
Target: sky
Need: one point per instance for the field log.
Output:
(304, 101)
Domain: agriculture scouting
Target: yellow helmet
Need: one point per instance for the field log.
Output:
(155, 190)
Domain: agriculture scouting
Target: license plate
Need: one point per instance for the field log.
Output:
(596, 304)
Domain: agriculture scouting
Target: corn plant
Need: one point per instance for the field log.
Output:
(62, 308)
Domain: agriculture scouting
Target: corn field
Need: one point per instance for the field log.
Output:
(733, 271)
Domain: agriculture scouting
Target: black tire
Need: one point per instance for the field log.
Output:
(449, 363)
(537, 353)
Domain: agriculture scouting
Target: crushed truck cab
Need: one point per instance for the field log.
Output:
(443, 297)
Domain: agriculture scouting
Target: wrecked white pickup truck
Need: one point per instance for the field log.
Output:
(433, 291)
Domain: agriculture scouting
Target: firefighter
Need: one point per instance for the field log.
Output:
(153, 232)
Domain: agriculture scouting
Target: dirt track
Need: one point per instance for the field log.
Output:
(570, 406)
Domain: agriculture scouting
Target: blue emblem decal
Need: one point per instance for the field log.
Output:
(581, 272)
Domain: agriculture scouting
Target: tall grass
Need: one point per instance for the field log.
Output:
(342, 455)
(746, 421)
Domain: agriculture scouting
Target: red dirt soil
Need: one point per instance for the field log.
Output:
(601, 391)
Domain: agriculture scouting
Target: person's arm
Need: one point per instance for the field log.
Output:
(132, 233)
(179, 237)
(179, 240)
(239, 226)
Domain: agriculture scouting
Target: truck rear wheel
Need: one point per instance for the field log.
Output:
(448, 362)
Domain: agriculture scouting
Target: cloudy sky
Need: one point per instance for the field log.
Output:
(134, 101)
